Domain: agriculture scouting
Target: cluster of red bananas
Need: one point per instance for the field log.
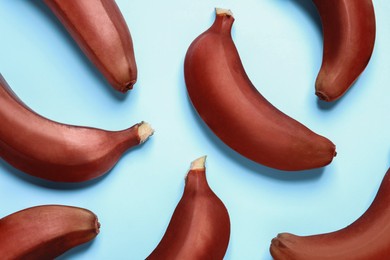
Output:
(229, 104)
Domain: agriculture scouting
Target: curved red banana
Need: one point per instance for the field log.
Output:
(349, 38)
(55, 151)
(368, 238)
(238, 114)
(100, 30)
(45, 232)
(200, 226)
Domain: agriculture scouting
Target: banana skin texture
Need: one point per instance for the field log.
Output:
(200, 226)
(59, 152)
(45, 232)
(100, 30)
(349, 38)
(368, 238)
(238, 114)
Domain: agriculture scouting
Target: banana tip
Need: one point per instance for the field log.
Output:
(322, 96)
(145, 131)
(97, 226)
(127, 86)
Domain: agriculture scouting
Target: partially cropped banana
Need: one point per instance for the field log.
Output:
(45, 232)
(100, 30)
(200, 226)
(349, 38)
(368, 238)
(238, 114)
(59, 152)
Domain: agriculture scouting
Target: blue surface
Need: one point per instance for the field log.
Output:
(280, 43)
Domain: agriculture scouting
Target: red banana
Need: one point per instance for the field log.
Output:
(100, 30)
(45, 232)
(368, 238)
(59, 152)
(200, 225)
(349, 37)
(238, 114)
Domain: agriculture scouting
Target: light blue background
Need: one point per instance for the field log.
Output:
(280, 43)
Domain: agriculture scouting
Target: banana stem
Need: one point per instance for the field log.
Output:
(198, 164)
(221, 11)
(145, 131)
